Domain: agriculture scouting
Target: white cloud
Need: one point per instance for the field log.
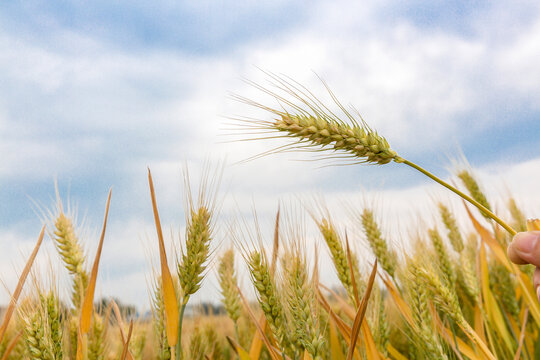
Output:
(402, 79)
(94, 103)
(516, 65)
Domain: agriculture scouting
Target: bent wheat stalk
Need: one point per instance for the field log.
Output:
(314, 125)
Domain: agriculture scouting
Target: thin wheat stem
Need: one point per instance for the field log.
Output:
(461, 194)
(180, 319)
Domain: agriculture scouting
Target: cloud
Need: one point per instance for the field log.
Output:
(94, 110)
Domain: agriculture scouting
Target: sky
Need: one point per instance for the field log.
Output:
(91, 95)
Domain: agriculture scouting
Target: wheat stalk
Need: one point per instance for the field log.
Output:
(190, 270)
(314, 126)
(199, 228)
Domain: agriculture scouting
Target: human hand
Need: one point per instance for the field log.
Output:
(525, 249)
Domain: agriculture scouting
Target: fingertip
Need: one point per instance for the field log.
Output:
(514, 256)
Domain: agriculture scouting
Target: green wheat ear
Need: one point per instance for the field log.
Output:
(386, 257)
(229, 286)
(71, 253)
(339, 257)
(198, 235)
(268, 296)
(311, 125)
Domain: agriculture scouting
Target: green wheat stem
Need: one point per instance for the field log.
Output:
(236, 332)
(180, 319)
(459, 193)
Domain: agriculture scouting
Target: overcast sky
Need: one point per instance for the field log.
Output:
(93, 94)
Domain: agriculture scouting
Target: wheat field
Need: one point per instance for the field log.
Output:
(455, 295)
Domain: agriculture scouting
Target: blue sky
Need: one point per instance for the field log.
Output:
(92, 94)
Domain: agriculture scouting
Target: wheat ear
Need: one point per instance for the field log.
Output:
(339, 256)
(378, 244)
(190, 271)
(41, 329)
(445, 264)
(454, 235)
(96, 343)
(52, 306)
(300, 295)
(447, 301)
(268, 296)
(228, 284)
(418, 297)
(520, 221)
(70, 251)
(473, 188)
(504, 286)
(468, 268)
(38, 345)
(314, 126)
(160, 331)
